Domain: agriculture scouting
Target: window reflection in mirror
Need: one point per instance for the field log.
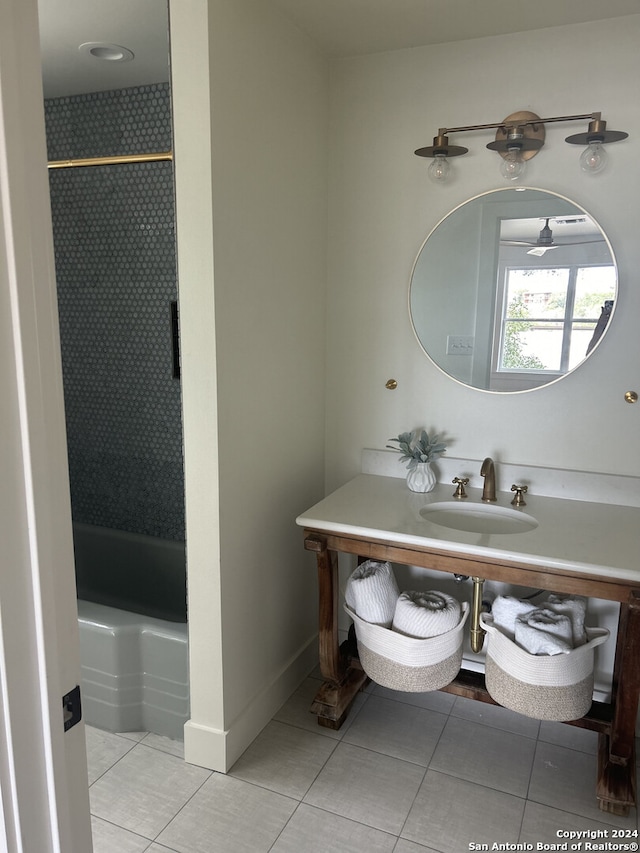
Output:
(551, 315)
(512, 290)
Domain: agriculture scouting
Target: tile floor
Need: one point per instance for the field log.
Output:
(407, 773)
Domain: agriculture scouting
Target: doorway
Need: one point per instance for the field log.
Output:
(109, 138)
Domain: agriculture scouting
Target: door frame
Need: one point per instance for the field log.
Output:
(44, 800)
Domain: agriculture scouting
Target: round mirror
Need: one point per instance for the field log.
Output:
(513, 289)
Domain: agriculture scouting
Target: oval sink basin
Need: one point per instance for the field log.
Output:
(478, 518)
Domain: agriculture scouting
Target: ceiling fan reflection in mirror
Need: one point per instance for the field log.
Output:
(545, 240)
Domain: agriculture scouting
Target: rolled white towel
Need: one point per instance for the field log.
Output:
(372, 591)
(543, 632)
(426, 614)
(573, 606)
(505, 610)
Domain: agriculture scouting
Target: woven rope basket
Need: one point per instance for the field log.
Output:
(546, 687)
(404, 663)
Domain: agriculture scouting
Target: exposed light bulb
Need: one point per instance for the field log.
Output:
(594, 157)
(439, 168)
(512, 166)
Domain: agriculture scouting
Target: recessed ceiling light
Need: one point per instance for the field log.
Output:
(108, 52)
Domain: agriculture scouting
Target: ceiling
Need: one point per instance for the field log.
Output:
(139, 25)
(348, 27)
(340, 27)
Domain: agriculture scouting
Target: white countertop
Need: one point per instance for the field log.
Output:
(594, 538)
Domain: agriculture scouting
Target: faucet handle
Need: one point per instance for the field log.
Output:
(460, 492)
(518, 499)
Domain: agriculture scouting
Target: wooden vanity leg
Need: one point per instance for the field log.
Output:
(342, 682)
(332, 663)
(616, 788)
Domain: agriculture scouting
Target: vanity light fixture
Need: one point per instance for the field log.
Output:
(594, 157)
(519, 137)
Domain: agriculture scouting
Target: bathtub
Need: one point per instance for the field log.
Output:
(133, 632)
(130, 571)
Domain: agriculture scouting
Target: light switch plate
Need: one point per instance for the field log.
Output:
(460, 344)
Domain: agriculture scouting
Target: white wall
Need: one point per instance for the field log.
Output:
(382, 206)
(251, 114)
(269, 96)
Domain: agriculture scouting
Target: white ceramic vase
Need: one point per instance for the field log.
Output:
(421, 477)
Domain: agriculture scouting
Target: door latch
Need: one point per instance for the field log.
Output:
(72, 708)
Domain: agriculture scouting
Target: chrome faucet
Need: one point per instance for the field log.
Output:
(489, 473)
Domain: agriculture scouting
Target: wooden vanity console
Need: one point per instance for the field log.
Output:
(615, 722)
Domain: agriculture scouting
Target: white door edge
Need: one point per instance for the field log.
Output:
(43, 780)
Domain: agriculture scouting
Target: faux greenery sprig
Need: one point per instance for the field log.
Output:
(418, 448)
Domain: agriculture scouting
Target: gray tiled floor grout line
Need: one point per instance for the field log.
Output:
(117, 825)
(529, 783)
(301, 800)
(277, 838)
(134, 745)
(184, 805)
(448, 713)
(324, 764)
(335, 814)
(424, 775)
(525, 799)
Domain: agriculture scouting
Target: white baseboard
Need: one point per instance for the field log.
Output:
(220, 749)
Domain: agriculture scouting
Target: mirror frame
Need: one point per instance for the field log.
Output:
(555, 379)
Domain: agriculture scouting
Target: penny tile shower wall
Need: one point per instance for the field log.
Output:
(116, 275)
